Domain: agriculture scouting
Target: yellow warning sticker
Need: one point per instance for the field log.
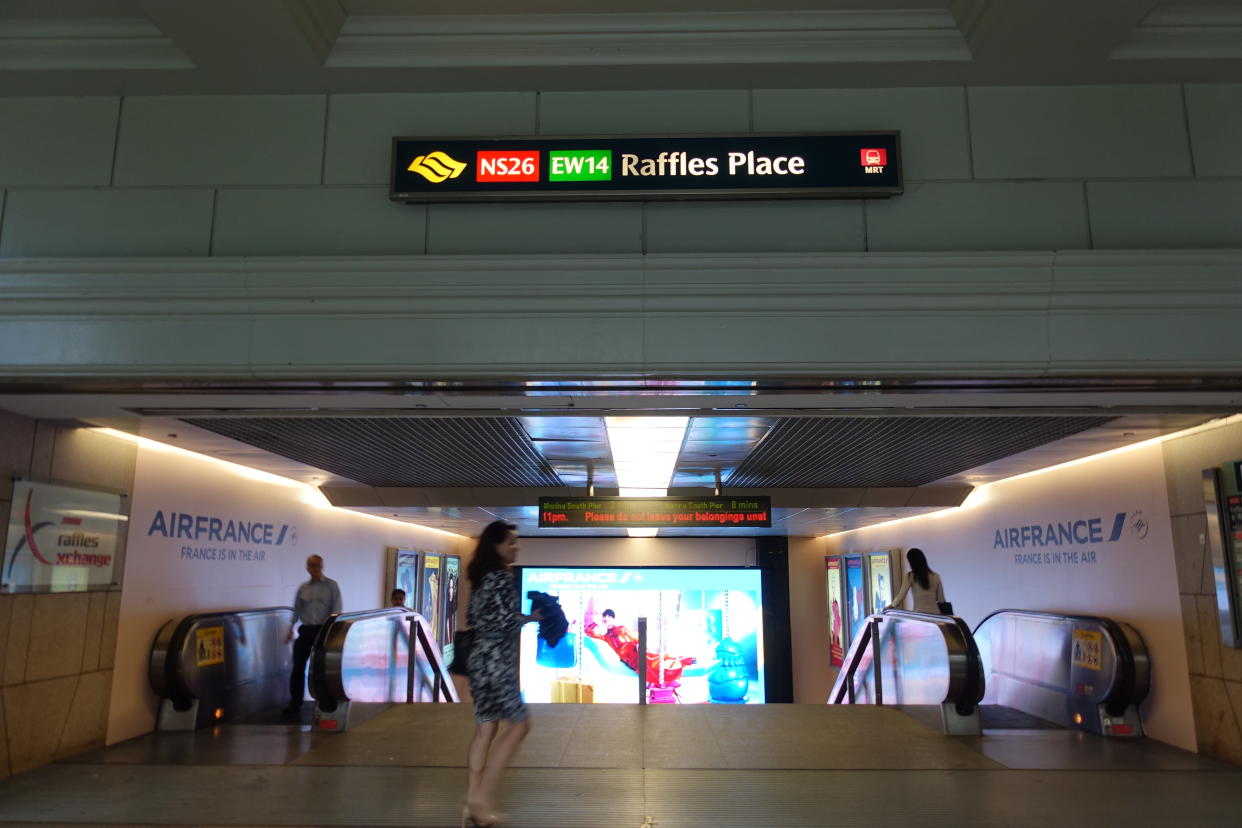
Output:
(1087, 647)
(209, 647)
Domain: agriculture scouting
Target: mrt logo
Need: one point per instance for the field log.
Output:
(873, 157)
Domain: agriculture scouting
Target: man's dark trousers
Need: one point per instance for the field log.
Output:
(302, 647)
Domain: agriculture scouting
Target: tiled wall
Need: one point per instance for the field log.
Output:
(56, 651)
(995, 168)
(1215, 670)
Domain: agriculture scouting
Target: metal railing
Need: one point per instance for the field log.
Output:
(220, 666)
(901, 657)
(1083, 672)
(385, 655)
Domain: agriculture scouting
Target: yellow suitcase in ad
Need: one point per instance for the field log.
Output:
(572, 690)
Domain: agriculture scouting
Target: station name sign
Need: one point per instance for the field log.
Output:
(577, 169)
(654, 512)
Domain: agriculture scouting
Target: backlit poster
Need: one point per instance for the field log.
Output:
(836, 610)
(879, 565)
(430, 585)
(452, 585)
(61, 539)
(855, 596)
(405, 576)
(704, 636)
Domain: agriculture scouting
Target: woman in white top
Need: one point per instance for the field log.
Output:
(927, 587)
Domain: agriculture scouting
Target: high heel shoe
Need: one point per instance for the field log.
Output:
(471, 818)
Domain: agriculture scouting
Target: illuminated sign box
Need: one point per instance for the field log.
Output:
(858, 165)
(654, 512)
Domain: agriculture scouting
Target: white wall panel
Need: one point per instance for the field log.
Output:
(979, 216)
(106, 222)
(1079, 132)
(1169, 214)
(534, 228)
(361, 127)
(934, 140)
(220, 140)
(162, 583)
(649, 112)
(1132, 579)
(326, 221)
(1215, 113)
(47, 142)
(754, 226)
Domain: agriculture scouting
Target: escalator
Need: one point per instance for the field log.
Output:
(233, 667)
(1019, 669)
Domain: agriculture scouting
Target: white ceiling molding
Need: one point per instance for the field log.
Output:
(406, 41)
(1185, 33)
(937, 314)
(319, 23)
(90, 44)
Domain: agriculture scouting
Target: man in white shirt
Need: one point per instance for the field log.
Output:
(316, 599)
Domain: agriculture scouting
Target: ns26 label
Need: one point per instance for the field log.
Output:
(508, 165)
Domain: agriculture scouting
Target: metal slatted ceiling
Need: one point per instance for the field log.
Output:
(852, 452)
(399, 451)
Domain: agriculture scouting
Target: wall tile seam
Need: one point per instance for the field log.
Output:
(116, 140)
(1188, 127)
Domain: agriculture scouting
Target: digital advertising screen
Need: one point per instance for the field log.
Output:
(704, 636)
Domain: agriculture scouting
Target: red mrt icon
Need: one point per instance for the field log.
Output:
(874, 157)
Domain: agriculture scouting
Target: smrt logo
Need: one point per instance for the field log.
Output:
(437, 166)
(873, 160)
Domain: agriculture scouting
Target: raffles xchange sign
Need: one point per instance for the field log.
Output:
(60, 539)
(813, 166)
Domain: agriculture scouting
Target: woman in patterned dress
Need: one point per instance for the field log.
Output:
(493, 669)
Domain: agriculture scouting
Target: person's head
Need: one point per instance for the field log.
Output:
(610, 618)
(314, 566)
(497, 549)
(397, 598)
(918, 565)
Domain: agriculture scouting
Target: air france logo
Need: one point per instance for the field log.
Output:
(205, 527)
(1071, 532)
(581, 577)
(437, 167)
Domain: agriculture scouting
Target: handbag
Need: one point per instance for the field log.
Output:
(945, 607)
(463, 643)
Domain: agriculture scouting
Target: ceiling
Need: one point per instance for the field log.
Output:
(833, 454)
(131, 47)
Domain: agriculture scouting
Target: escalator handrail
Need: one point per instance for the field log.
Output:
(1128, 687)
(327, 684)
(964, 693)
(164, 662)
(845, 678)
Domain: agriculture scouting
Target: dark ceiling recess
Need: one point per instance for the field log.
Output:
(848, 452)
(399, 451)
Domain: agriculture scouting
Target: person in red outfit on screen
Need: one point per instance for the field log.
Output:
(625, 644)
